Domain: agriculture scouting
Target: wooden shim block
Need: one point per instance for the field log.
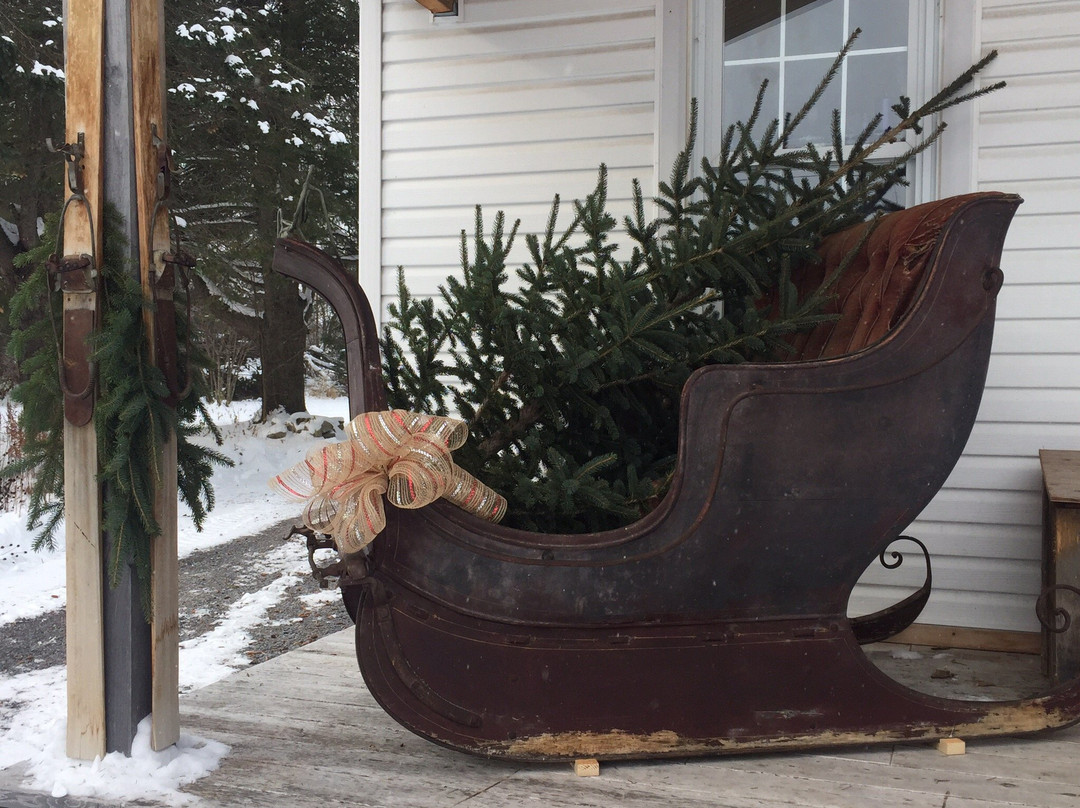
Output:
(952, 746)
(587, 767)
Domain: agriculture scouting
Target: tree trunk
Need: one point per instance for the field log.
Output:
(283, 342)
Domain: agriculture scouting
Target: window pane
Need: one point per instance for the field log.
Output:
(884, 23)
(741, 84)
(815, 27)
(882, 78)
(751, 29)
(774, 38)
(801, 79)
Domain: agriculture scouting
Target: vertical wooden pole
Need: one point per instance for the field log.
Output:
(83, 67)
(148, 84)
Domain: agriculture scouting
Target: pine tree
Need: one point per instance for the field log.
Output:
(570, 377)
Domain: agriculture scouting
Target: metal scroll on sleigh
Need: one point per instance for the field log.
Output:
(718, 623)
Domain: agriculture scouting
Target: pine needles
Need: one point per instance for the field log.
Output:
(570, 375)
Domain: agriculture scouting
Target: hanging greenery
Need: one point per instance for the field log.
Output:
(131, 417)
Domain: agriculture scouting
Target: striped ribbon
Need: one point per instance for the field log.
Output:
(402, 455)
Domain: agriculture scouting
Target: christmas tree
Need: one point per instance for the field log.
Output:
(569, 376)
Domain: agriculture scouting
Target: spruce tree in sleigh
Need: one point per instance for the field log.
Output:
(743, 410)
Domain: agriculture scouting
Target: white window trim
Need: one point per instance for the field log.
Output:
(672, 107)
(370, 154)
(958, 150)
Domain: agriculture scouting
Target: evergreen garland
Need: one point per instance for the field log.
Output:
(570, 376)
(131, 417)
(34, 329)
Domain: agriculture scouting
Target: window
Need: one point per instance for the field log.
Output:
(791, 43)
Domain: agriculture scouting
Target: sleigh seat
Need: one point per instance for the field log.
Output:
(718, 623)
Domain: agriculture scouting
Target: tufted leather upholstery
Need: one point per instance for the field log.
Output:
(880, 284)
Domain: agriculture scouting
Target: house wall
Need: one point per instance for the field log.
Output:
(521, 100)
(984, 528)
(504, 108)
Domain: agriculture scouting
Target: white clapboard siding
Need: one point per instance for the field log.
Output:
(984, 527)
(505, 108)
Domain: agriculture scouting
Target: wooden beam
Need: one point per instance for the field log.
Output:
(976, 639)
(83, 68)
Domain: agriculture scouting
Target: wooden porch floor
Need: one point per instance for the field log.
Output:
(304, 731)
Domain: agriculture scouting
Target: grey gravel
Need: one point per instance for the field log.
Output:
(211, 581)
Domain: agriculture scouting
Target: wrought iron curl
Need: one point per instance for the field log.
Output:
(1050, 620)
(898, 557)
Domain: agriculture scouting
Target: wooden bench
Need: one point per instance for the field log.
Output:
(1061, 557)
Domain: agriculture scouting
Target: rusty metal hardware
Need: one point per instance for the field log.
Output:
(167, 266)
(1054, 618)
(74, 153)
(718, 624)
(76, 276)
(341, 572)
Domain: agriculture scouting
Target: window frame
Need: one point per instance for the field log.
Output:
(704, 63)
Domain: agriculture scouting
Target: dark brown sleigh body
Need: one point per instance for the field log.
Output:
(718, 623)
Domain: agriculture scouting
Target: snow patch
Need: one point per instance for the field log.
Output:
(40, 69)
(288, 86)
(904, 653)
(35, 733)
(10, 230)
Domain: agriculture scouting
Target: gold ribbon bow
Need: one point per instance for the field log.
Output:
(404, 455)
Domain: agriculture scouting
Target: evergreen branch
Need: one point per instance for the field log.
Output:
(570, 383)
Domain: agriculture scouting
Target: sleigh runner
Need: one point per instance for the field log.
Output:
(717, 623)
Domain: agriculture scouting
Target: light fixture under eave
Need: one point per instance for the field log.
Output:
(440, 8)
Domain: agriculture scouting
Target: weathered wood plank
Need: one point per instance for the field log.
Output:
(84, 66)
(916, 775)
(302, 742)
(148, 102)
(1061, 475)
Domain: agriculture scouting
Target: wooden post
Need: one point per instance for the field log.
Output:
(83, 67)
(148, 83)
(118, 668)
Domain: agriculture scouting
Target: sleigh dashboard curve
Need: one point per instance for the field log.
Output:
(651, 640)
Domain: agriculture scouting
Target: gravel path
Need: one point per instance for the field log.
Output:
(211, 581)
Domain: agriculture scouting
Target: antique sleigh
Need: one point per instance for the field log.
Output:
(718, 623)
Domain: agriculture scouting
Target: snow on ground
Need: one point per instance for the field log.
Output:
(32, 583)
(32, 705)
